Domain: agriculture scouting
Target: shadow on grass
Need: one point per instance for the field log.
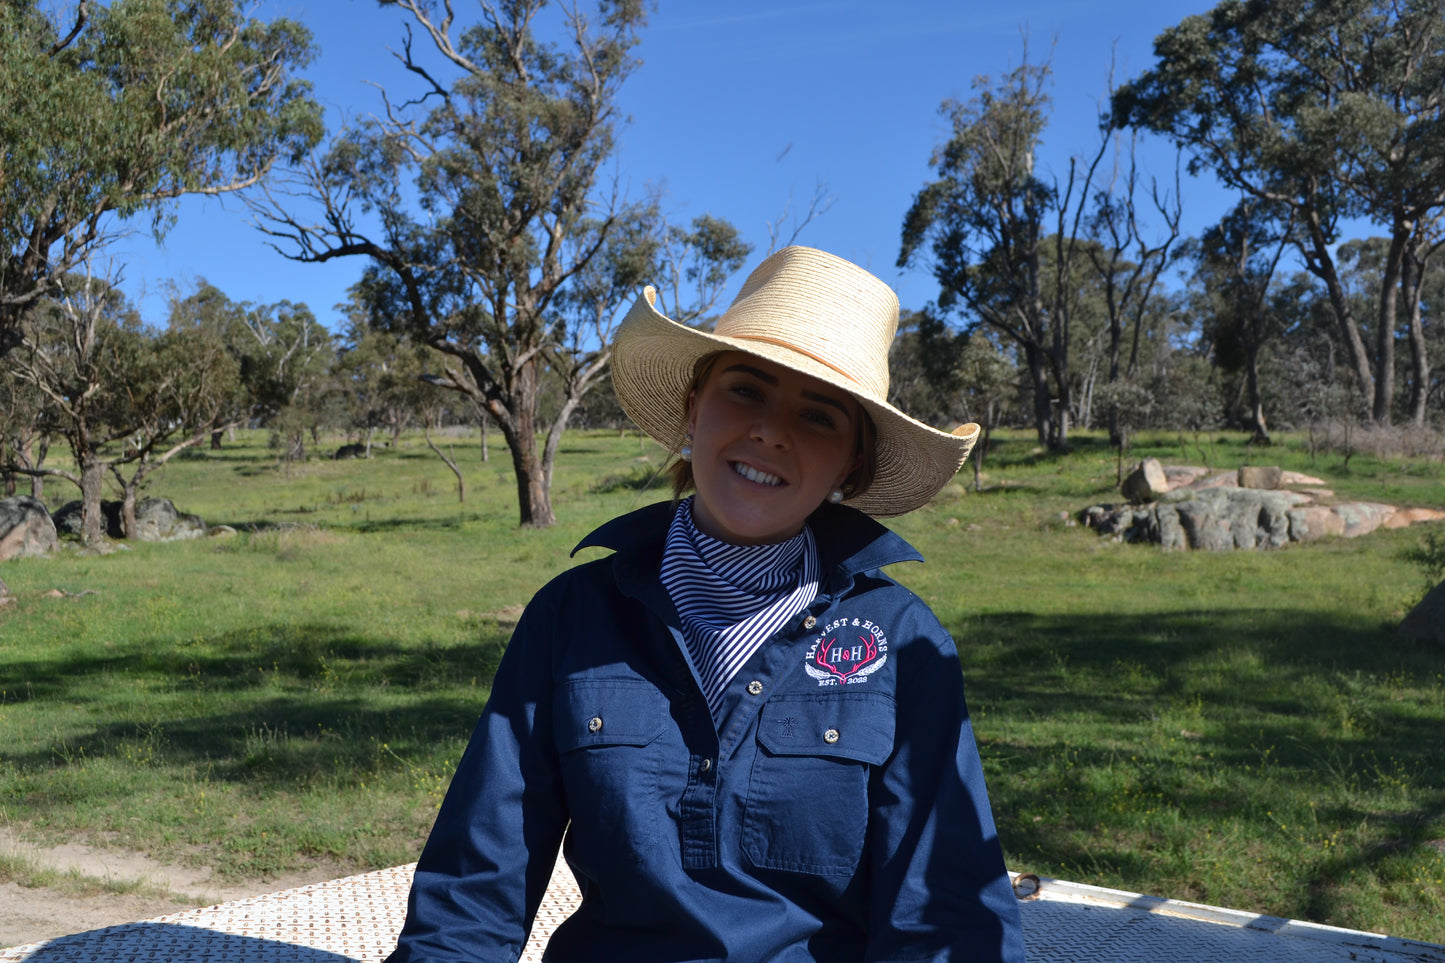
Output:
(453, 523)
(1005, 488)
(284, 703)
(1013, 452)
(1115, 743)
(640, 479)
(1291, 671)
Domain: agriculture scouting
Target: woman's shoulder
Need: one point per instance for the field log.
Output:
(879, 592)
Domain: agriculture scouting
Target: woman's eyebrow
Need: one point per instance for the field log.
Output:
(768, 379)
(824, 399)
(758, 373)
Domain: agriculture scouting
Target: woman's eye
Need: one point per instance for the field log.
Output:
(746, 391)
(821, 418)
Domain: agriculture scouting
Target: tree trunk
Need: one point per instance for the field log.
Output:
(448, 459)
(1411, 278)
(1116, 339)
(92, 523)
(127, 511)
(534, 494)
(37, 482)
(980, 451)
(1256, 403)
(554, 436)
(1043, 406)
(1061, 418)
(1320, 262)
(1059, 364)
(218, 429)
(1384, 400)
(533, 498)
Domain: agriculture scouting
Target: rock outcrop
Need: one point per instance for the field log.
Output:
(1255, 476)
(1248, 509)
(1145, 483)
(156, 520)
(25, 528)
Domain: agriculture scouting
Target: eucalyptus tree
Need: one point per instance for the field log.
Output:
(1129, 259)
(481, 203)
(376, 379)
(942, 375)
(1334, 110)
(1002, 240)
(26, 430)
(1236, 261)
(280, 351)
(126, 399)
(124, 106)
(1421, 273)
(1361, 273)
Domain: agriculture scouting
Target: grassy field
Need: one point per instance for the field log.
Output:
(1241, 729)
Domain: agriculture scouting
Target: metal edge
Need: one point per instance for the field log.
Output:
(1056, 890)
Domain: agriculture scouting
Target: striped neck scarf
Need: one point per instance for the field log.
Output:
(732, 598)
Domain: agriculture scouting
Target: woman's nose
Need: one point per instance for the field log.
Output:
(769, 429)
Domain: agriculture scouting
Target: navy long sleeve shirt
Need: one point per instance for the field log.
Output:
(838, 813)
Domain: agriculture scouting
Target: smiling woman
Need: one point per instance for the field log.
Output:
(768, 445)
(755, 741)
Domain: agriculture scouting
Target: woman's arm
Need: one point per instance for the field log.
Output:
(490, 855)
(940, 891)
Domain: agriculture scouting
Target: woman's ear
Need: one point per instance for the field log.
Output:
(691, 411)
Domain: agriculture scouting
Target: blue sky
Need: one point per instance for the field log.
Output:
(737, 107)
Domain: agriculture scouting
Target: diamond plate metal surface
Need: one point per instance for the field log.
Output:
(358, 918)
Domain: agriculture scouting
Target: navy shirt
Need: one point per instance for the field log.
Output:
(838, 813)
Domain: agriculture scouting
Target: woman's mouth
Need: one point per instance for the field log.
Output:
(753, 475)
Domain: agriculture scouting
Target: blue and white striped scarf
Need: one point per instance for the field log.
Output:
(731, 598)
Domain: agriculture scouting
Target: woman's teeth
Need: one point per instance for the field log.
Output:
(753, 475)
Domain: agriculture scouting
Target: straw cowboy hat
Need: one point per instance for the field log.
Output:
(819, 315)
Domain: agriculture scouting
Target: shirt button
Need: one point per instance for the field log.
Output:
(705, 765)
(755, 687)
(809, 622)
(594, 724)
(831, 736)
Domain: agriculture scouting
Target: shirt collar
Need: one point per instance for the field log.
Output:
(849, 542)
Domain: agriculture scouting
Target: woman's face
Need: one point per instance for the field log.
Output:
(768, 446)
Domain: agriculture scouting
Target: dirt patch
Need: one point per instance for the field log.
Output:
(99, 887)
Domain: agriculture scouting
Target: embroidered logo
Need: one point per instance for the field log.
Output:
(847, 653)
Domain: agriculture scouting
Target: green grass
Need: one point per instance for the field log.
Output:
(1241, 729)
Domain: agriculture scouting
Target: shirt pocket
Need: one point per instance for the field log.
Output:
(807, 803)
(606, 732)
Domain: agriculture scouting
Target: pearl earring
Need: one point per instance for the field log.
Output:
(685, 452)
(835, 496)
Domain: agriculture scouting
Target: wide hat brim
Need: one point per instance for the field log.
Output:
(654, 361)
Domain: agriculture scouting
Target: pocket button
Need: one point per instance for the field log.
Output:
(831, 736)
(594, 724)
(755, 687)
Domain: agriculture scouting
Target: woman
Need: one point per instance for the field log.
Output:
(756, 742)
